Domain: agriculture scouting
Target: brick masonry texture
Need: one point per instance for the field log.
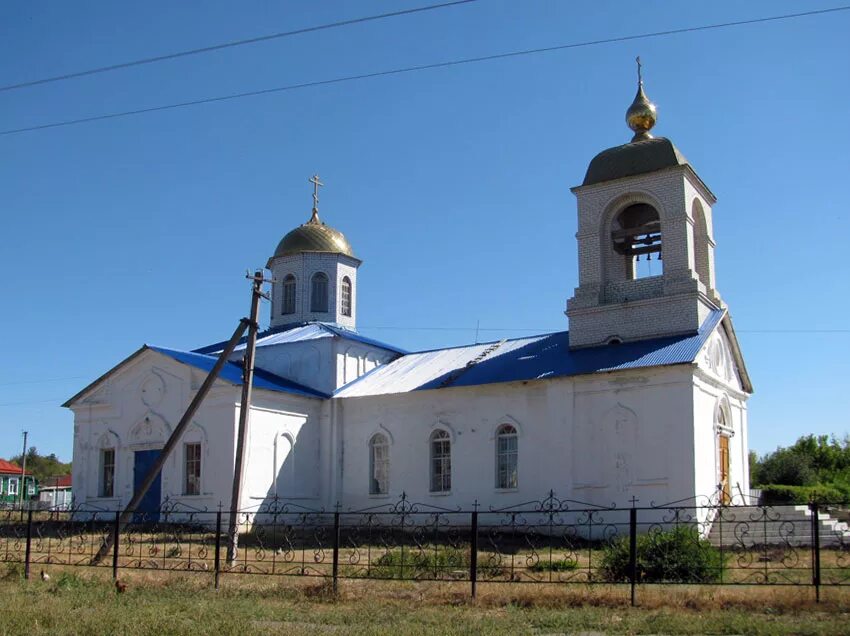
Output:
(607, 303)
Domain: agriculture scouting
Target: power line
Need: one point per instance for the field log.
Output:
(422, 67)
(234, 43)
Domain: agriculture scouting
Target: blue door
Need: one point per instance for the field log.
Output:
(148, 509)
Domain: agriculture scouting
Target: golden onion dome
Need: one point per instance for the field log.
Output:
(642, 114)
(314, 236)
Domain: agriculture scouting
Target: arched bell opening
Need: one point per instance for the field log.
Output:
(635, 237)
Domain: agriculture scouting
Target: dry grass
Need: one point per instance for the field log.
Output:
(83, 601)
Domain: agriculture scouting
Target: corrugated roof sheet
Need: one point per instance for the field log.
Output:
(301, 332)
(10, 468)
(232, 372)
(537, 357)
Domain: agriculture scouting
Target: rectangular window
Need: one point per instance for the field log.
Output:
(506, 458)
(13, 486)
(107, 472)
(192, 478)
(441, 465)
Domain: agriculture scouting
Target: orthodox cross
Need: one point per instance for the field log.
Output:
(316, 183)
(640, 76)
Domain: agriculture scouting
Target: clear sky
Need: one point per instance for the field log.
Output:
(452, 184)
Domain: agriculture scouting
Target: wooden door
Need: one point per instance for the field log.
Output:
(725, 491)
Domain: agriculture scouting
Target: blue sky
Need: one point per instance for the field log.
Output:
(451, 184)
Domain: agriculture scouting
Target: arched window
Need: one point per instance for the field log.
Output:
(288, 306)
(319, 293)
(441, 462)
(636, 232)
(379, 465)
(506, 457)
(345, 297)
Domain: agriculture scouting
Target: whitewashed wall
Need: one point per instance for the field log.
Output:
(717, 386)
(596, 439)
(138, 407)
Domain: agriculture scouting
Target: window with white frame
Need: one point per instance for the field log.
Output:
(192, 469)
(345, 297)
(288, 306)
(107, 472)
(441, 461)
(506, 457)
(13, 486)
(379, 465)
(319, 293)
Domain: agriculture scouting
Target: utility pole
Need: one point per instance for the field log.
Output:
(244, 412)
(153, 471)
(23, 472)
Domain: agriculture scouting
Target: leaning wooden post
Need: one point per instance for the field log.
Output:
(244, 413)
(127, 514)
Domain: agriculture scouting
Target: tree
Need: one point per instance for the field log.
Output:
(43, 466)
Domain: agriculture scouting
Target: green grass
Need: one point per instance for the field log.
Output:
(160, 604)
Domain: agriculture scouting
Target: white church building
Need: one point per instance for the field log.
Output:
(644, 397)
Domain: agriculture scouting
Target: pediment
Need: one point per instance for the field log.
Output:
(717, 357)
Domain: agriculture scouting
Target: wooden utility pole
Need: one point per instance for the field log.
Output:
(152, 473)
(23, 472)
(244, 412)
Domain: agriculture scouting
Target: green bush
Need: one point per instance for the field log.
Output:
(776, 495)
(417, 563)
(676, 556)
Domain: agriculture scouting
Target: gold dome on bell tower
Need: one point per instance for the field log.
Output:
(642, 114)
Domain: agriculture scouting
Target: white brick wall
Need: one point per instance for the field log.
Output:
(303, 266)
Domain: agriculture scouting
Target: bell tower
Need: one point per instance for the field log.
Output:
(645, 241)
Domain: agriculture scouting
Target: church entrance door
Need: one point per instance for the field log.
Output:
(148, 509)
(723, 447)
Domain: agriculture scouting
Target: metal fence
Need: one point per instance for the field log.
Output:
(546, 541)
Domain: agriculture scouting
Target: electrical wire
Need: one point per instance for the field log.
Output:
(226, 45)
(422, 67)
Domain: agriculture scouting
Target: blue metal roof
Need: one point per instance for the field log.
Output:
(538, 357)
(232, 372)
(301, 332)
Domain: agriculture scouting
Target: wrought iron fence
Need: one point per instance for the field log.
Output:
(548, 541)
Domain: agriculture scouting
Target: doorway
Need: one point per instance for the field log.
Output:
(723, 460)
(148, 508)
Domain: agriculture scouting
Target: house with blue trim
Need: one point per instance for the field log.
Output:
(643, 398)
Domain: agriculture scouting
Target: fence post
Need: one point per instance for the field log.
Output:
(217, 563)
(116, 531)
(28, 552)
(336, 550)
(473, 550)
(813, 506)
(633, 551)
